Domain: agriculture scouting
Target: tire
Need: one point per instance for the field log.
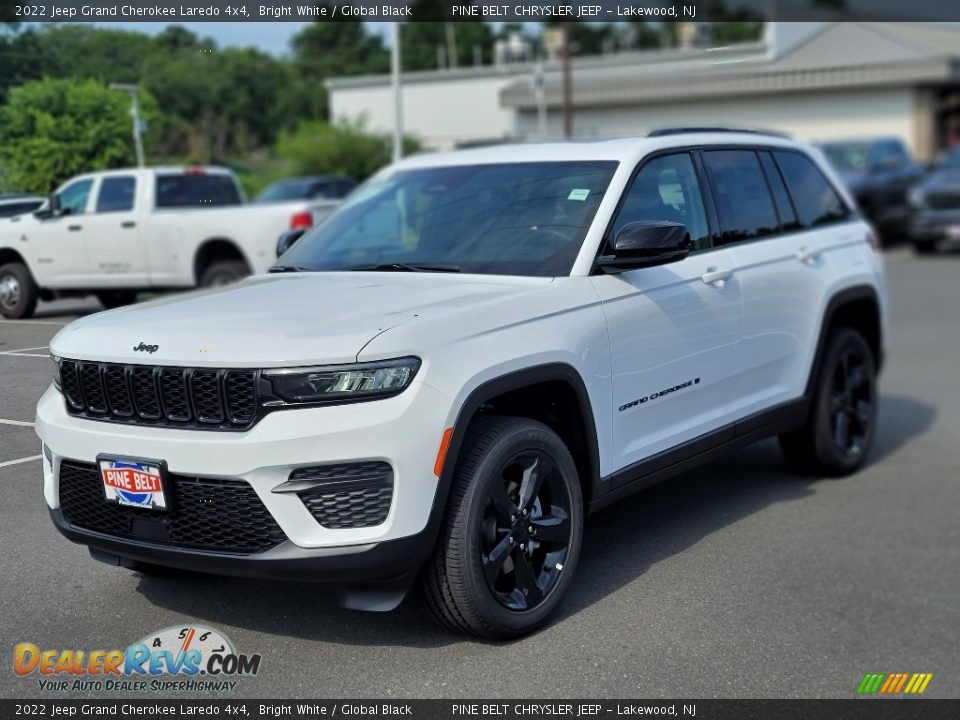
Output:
(925, 247)
(843, 418)
(111, 299)
(18, 292)
(224, 272)
(525, 580)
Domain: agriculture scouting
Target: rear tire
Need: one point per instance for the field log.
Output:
(224, 272)
(18, 292)
(925, 247)
(843, 415)
(511, 538)
(111, 299)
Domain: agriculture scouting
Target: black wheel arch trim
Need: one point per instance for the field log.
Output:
(519, 379)
(837, 301)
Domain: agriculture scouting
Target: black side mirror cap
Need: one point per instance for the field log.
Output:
(646, 243)
(287, 239)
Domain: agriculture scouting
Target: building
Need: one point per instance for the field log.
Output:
(813, 80)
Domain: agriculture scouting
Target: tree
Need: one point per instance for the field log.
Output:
(343, 148)
(330, 49)
(420, 42)
(53, 129)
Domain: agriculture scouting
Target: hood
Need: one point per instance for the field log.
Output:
(278, 320)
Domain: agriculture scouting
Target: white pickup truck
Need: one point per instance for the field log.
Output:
(117, 232)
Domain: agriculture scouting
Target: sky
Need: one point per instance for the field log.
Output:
(271, 37)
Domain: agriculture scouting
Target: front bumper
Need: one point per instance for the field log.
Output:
(928, 225)
(375, 562)
(403, 431)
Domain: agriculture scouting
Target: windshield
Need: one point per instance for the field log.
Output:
(848, 157)
(505, 219)
(952, 160)
(287, 190)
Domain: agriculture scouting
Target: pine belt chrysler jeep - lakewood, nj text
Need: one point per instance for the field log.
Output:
(434, 385)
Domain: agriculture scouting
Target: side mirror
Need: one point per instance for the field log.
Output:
(51, 208)
(287, 239)
(646, 243)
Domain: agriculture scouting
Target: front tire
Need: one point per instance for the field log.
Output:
(224, 272)
(843, 417)
(512, 535)
(111, 299)
(18, 292)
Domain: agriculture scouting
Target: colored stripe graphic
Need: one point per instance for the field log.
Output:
(894, 683)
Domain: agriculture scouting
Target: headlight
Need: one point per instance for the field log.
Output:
(343, 383)
(56, 372)
(916, 197)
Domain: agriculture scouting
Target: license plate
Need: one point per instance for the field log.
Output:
(133, 482)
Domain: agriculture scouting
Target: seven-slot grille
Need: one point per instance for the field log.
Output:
(222, 515)
(178, 397)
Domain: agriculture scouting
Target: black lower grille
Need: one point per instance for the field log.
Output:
(205, 514)
(351, 495)
(177, 397)
(944, 200)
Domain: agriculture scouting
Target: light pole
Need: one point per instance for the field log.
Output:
(397, 97)
(135, 114)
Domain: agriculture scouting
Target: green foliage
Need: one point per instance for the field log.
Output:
(422, 43)
(343, 148)
(53, 129)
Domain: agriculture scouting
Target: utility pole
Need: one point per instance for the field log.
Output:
(397, 97)
(135, 114)
(567, 85)
(540, 92)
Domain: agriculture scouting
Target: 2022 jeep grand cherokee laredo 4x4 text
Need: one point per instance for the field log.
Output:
(476, 349)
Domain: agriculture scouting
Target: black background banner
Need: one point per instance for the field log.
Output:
(858, 709)
(467, 10)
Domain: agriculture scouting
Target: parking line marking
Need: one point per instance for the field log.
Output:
(23, 354)
(34, 322)
(19, 423)
(22, 350)
(21, 460)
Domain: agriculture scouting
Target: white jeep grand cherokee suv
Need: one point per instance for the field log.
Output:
(473, 352)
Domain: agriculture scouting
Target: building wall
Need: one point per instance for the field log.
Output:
(440, 113)
(817, 115)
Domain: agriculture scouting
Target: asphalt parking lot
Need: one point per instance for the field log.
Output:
(737, 580)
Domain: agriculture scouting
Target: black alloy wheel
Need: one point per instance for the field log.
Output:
(512, 532)
(525, 533)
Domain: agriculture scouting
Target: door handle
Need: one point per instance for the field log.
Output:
(715, 276)
(128, 224)
(807, 255)
(74, 228)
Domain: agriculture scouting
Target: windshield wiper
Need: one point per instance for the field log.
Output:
(407, 267)
(288, 268)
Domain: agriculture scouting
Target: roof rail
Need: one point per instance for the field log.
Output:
(661, 132)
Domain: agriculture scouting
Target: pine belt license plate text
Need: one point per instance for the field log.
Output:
(133, 482)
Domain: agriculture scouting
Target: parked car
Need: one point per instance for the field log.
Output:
(115, 233)
(879, 172)
(935, 221)
(470, 354)
(18, 204)
(310, 187)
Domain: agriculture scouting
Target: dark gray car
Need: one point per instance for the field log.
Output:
(935, 221)
(879, 172)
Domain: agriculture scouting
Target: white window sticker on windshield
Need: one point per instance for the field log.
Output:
(579, 194)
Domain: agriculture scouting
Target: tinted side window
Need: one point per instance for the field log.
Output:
(744, 205)
(73, 198)
(14, 209)
(116, 194)
(813, 196)
(788, 218)
(196, 191)
(666, 188)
